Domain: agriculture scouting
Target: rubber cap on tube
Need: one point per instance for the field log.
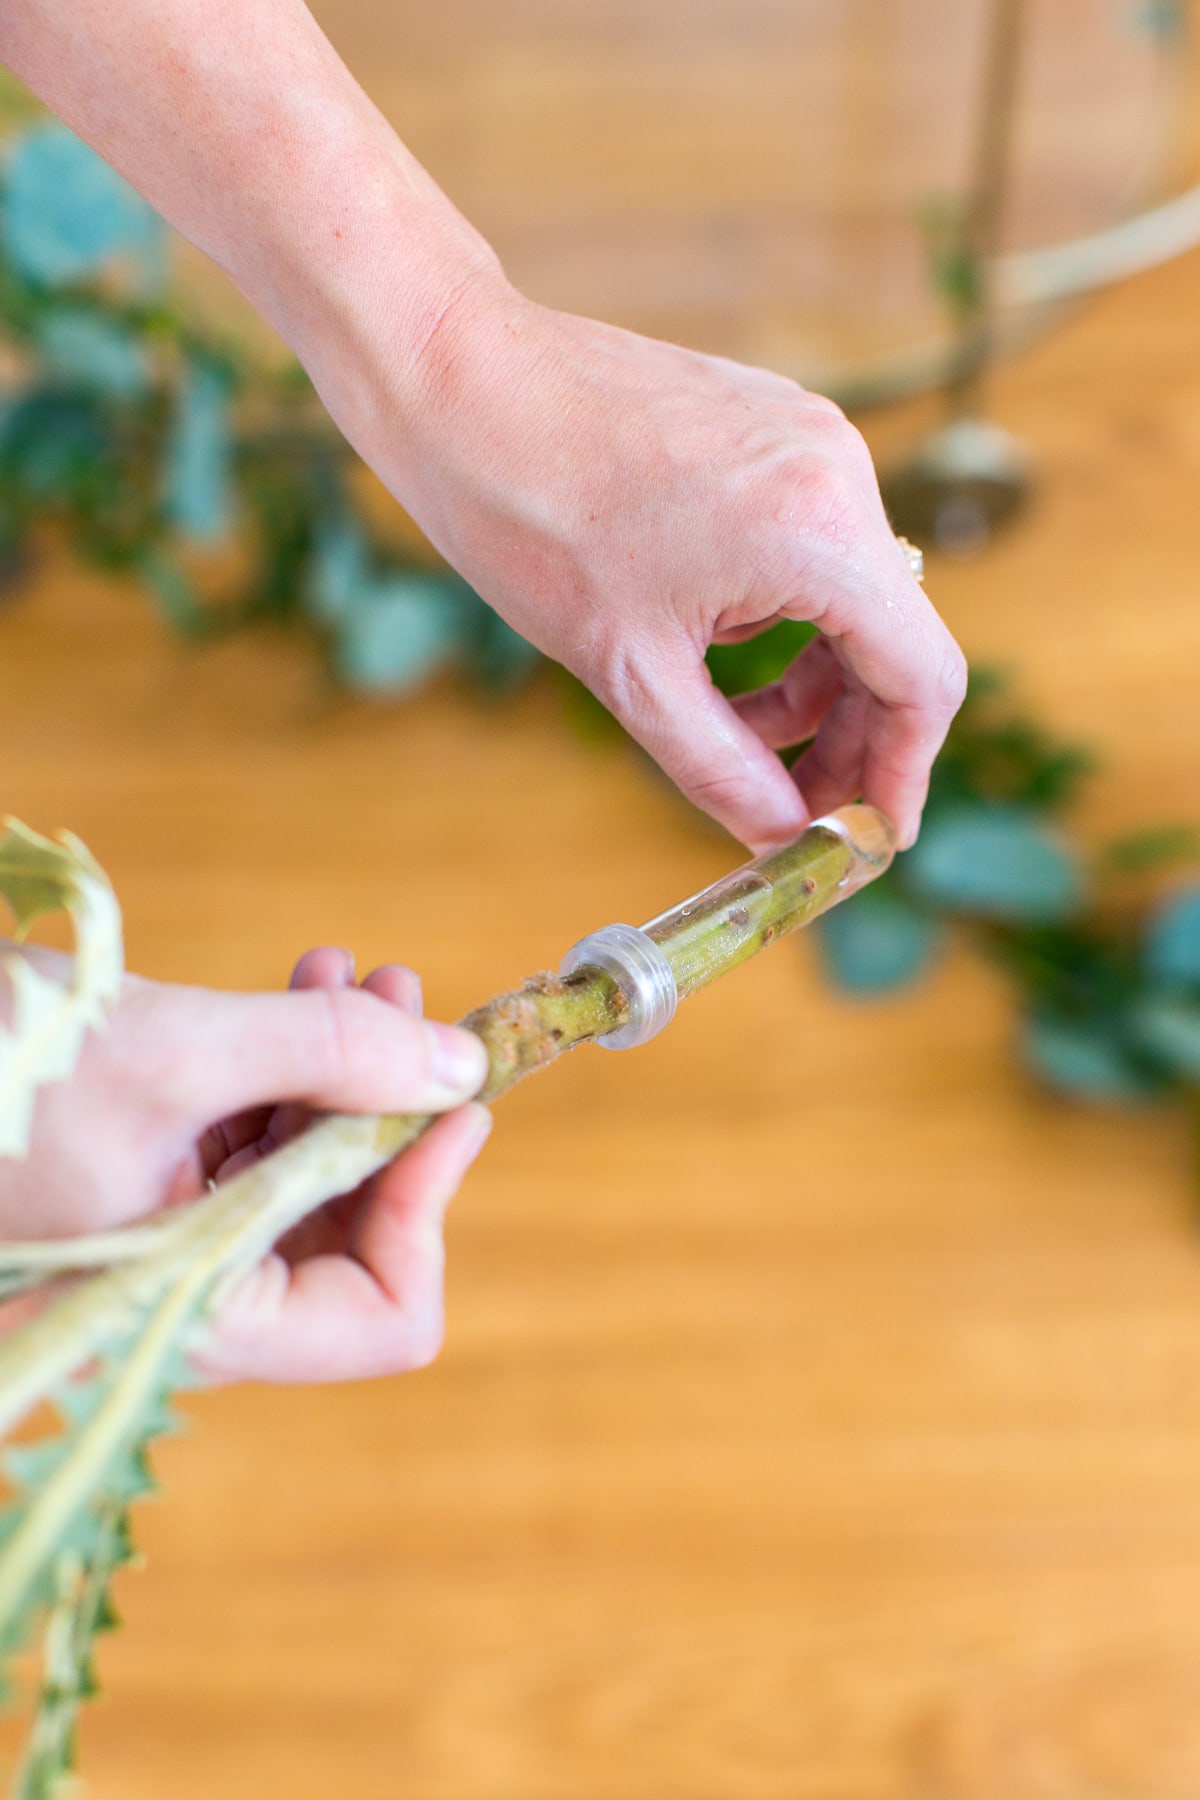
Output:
(640, 969)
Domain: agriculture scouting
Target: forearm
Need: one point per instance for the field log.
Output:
(622, 503)
(240, 124)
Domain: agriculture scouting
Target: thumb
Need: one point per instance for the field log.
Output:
(715, 759)
(334, 1049)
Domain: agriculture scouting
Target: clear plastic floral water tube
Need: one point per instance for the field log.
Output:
(654, 966)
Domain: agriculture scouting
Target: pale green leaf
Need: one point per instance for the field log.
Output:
(49, 1019)
(36, 874)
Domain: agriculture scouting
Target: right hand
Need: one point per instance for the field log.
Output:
(626, 503)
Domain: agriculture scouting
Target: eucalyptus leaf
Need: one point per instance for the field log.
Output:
(68, 216)
(1084, 1059)
(173, 591)
(877, 944)
(198, 478)
(84, 348)
(1169, 1029)
(398, 633)
(339, 568)
(499, 657)
(1165, 19)
(52, 443)
(1171, 949)
(1000, 863)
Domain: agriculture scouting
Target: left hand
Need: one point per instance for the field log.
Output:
(187, 1086)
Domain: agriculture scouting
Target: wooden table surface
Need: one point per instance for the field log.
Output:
(820, 1417)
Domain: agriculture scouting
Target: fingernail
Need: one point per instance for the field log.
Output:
(347, 967)
(457, 1058)
(481, 1120)
(412, 998)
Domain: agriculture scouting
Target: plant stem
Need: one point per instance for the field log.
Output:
(216, 1239)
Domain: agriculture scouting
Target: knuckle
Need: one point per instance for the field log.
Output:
(821, 406)
(332, 1037)
(829, 496)
(633, 685)
(716, 792)
(950, 679)
(839, 442)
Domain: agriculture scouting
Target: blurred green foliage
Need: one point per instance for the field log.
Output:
(160, 448)
(1108, 991)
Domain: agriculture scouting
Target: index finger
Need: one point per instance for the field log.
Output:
(905, 678)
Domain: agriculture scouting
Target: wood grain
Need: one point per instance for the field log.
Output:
(832, 1430)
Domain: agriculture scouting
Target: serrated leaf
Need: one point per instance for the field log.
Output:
(996, 862)
(1171, 950)
(78, 1402)
(43, 1041)
(29, 1466)
(37, 876)
(107, 1617)
(877, 942)
(130, 1477)
(179, 1373)
(103, 1465)
(68, 1674)
(19, 1623)
(68, 215)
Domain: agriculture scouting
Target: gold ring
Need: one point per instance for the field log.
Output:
(916, 558)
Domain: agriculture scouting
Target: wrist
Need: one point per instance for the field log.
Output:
(358, 270)
(398, 328)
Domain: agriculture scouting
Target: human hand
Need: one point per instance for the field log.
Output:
(625, 503)
(188, 1086)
